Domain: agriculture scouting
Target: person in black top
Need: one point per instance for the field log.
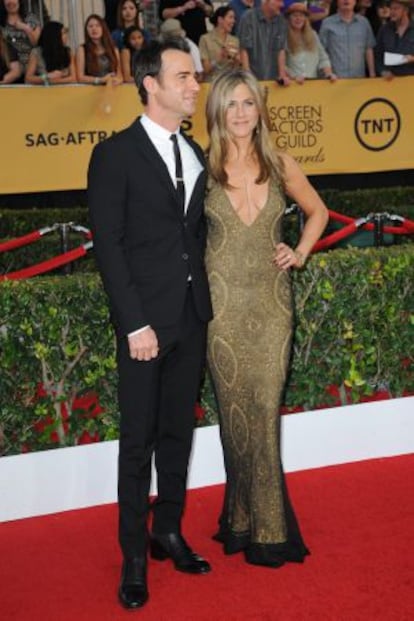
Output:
(191, 14)
(146, 188)
(396, 37)
(110, 13)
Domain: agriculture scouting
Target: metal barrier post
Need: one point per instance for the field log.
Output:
(378, 229)
(64, 245)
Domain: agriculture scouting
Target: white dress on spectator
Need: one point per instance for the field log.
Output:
(195, 55)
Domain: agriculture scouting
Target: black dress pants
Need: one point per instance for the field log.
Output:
(156, 401)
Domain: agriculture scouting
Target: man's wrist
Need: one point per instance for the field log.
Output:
(138, 331)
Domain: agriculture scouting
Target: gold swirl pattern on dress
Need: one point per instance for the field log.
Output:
(239, 429)
(219, 293)
(218, 230)
(282, 293)
(224, 361)
(264, 397)
(251, 259)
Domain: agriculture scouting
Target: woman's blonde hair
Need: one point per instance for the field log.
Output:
(298, 40)
(219, 96)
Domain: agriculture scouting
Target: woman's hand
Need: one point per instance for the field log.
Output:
(187, 6)
(21, 25)
(285, 257)
(284, 80)
(111, 78)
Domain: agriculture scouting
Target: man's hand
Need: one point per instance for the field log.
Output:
(144, 345)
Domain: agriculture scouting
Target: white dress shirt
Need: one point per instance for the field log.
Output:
(161, 139)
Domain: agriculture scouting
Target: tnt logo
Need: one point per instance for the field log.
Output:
(377, 124)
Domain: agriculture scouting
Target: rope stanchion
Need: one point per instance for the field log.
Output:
(61, 260)
(405, 227)
(81, 229)
(50, 264)
(351, 225)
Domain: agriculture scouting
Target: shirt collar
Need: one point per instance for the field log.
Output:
(355, 17)
(263, 18)
(156, 131)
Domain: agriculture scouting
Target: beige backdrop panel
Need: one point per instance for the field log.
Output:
(350, 126)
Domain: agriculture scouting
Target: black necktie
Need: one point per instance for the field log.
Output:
(178, 171)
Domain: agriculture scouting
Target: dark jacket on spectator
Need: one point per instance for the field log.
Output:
(389, 41)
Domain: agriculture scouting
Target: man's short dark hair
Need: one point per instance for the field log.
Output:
(148, 61)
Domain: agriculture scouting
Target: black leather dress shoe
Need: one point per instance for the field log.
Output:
(174, 546)
(133, 592)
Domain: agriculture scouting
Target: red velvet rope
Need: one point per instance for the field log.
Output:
(406, 227)
(333, 238)
(25, 240)
(46, 266)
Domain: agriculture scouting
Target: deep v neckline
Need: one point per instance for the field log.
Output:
(259, 211)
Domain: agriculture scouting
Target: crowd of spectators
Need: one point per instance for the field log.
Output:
(283, 40)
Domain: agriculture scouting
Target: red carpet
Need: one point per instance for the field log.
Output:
(358, 520)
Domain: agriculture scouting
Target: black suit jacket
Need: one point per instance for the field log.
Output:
(145, 246)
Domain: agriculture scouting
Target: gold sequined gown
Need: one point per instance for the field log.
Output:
(248, 354)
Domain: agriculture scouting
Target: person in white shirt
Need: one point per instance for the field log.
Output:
(171, 29)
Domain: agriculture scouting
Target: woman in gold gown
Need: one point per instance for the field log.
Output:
(250, 336)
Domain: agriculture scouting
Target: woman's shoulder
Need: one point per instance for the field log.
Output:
(287, 160)
(292, 172)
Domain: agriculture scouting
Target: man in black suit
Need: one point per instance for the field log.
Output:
(149, 237)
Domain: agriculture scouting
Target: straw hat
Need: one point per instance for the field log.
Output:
(297, 7)
(172, 28)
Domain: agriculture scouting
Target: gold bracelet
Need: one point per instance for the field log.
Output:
(300, 258)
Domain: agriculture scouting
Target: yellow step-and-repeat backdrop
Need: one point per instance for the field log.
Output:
(351, 126)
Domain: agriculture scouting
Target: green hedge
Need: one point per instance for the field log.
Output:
(354, 203)
(354, 336)
(16, 222)
(362, 202)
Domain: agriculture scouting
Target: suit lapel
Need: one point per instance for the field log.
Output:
(154, 159)
(200, 183)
